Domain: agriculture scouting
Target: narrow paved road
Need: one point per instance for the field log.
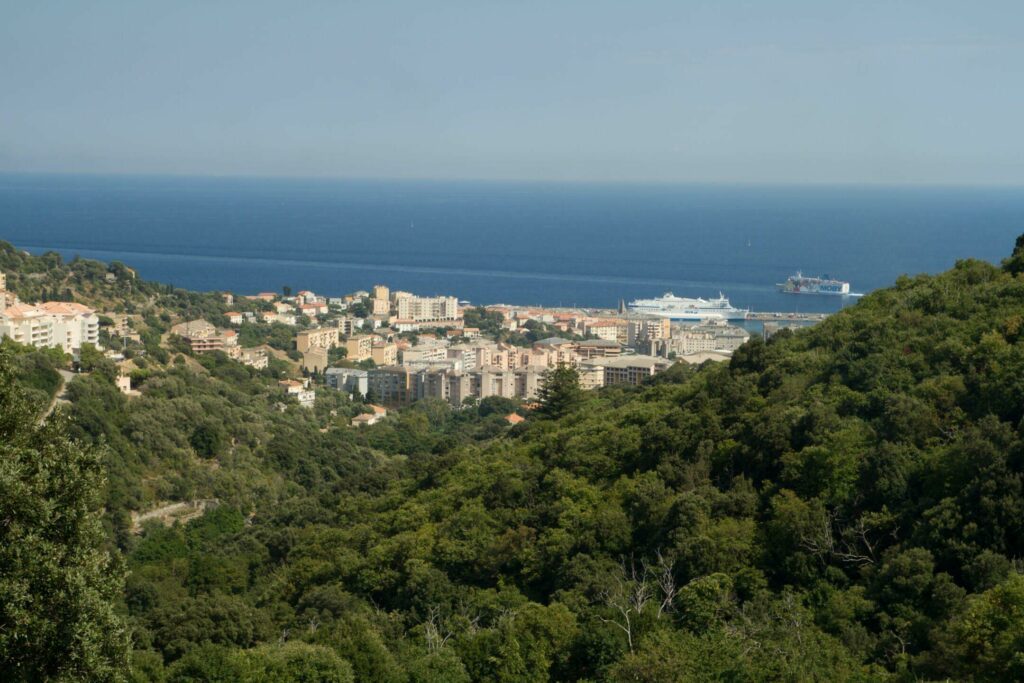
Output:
(60, 396)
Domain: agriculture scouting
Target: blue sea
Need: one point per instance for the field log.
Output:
(525, 243)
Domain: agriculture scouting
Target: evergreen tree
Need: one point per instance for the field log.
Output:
(57, 583)
(560, 392)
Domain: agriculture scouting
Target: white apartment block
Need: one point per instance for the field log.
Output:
(54, 323)
(428, 309)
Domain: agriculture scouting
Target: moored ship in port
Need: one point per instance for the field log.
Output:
(801, 284)
(681, 308)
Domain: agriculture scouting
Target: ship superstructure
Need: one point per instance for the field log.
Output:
(681, 308)
(802, 284)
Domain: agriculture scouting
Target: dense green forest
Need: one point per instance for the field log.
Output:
(844, 503)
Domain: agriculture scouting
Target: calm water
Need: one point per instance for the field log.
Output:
(549, 244)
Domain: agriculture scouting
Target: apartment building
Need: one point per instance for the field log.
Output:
(390, 384)
(643, 329)
(359, 347)
(603, 329)
(315, 360)
(384, 353)
(529, 381)
(428, 309)
(632, 370)
(202, 337)
(320, 338)
(591, 374)
(427, 351)
(350, 380)
(380, 300)
(598, 348)
(27, 325)
(562, 351)
(53, 323)
(349, 325)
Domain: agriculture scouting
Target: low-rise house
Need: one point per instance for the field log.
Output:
(366, 419)
(234, 317)
(300, 391)
(313, 310)
(254, 358)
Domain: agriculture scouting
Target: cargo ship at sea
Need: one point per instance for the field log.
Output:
(681, 308)
(801, 284)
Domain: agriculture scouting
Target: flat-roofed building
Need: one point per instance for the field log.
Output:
(432, 382)
(358, 347)
(315, 359)
(647, 329)
(529, 381)
(201, 336)
(632, 370)
(427, 351)
(428, 309)
(598, 348)
(27, 325)
(591, 374)
(349, 325)
(390, 384)
(380, 306)
(603, 329)
(320, 338)
(73, 324)
(494, 381)
(384, 353)
(563, 351)
(350, 380)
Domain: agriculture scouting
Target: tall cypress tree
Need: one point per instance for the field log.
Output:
(560, 392)
(57, 582)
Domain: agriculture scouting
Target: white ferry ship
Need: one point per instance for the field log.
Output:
(681, 308)
(799, 284)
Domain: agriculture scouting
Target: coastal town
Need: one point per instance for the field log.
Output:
(390, 349)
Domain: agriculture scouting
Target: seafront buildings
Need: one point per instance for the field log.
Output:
(397, 347)
(406, 348)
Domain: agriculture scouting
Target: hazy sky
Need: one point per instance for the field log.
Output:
(769, 91)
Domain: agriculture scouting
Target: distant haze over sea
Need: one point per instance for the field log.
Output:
(524, 243)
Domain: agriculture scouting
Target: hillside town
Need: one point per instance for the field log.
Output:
(392, 348)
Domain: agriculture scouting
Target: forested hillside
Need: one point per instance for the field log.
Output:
(842, 503)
